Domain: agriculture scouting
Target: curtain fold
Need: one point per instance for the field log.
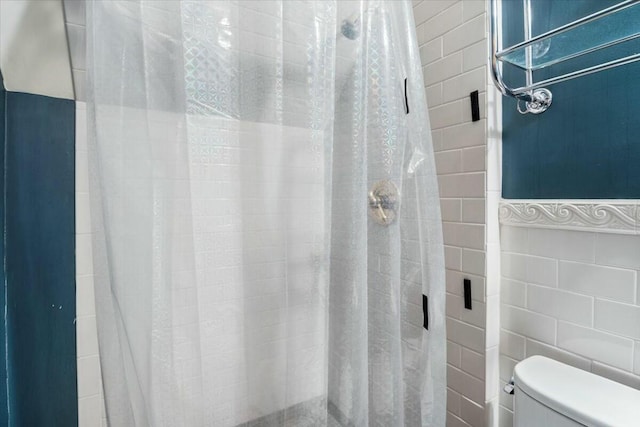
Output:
(240, 274)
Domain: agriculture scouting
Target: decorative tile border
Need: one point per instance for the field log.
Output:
(610, 216)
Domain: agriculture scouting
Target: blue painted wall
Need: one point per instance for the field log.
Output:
(587, 145)
(40, 260)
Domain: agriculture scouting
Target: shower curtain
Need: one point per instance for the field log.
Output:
(242, 273)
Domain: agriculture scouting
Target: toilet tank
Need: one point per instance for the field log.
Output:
(551, 394)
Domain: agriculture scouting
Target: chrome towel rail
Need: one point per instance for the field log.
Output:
(538, 52)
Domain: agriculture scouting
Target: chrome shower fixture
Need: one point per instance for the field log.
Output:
(383, 202)
(350, 27)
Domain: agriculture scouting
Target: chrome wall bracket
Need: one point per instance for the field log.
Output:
(540, 102)
(558, 45)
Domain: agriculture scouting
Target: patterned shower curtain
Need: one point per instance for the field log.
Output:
(268, 247)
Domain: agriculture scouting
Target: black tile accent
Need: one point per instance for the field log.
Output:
(475, 106)
(467, 294)
(425, 311)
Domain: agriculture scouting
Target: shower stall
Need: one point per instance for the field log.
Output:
(268, 247)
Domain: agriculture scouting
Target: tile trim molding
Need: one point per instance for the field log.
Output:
(605, 216)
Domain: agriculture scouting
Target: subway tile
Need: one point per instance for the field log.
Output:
(506, 417)
(473, 363)
(449, 233)
(451, 209)
(621, 319)
(514, 239)
(513, 292)
(443, 69)
(445, 115)
(471, 412)
(475, 56)
(465, 384)
(514, 266)
(465, 334)
(454, 280)
(421, 35)
(618, 250)
(595, 280)
(476, 316)
(431, 51)
(636, 358)
(473, 184)
(512, 345)
(617, 375)
(88, 376)
(463, 135)
(440, 19)
(436, 135)
(448, 161)
(454, 304)
(89, 411)
(596, 345)
(542, 271)
(81, 129)
(460, 86)
(453, 401)
(528, 323)
(470, 236)
(454, 353)
(452, 258)
(85, 297)
(450, 186)
(83, 214)
(428, 9)
(562, 244)
(82, 172)
(506, 401)
(465, 35)
(560, 304)
(434, 97)
(87, 336)
(84, 255)
(473, 262)
(506, 368)
(472, 9)
(473, 210)
(455, 421)
(474, 159)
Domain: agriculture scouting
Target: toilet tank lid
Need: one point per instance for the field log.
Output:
(580, 395)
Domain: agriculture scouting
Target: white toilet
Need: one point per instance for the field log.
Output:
(551, 394)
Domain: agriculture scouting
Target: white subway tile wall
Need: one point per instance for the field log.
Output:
(453, 50)
(91, 411)
(571, 296)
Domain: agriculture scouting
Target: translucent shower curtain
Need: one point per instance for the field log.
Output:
(248, 269)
